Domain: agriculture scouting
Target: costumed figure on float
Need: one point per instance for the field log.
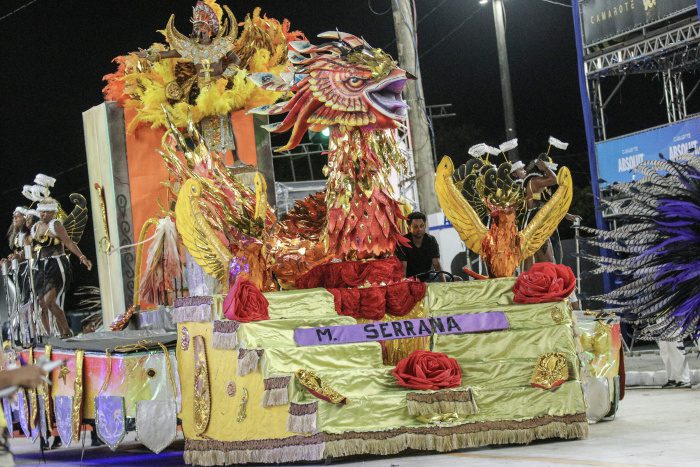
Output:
(14, 272)
(200, 81)
(203, 77)
(50, 238)
(482, 190)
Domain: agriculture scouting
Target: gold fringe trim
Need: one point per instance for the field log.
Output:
(302, 423)
(418, 409)
(311, 452)
(431, 442)
(434, 438)
(460, 402)
(272, 397)
(247, 361)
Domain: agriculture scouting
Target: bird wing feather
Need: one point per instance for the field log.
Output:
(545, 222)
(198, 236)
(460, 213)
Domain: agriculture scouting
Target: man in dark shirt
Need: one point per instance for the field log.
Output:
(424, 253)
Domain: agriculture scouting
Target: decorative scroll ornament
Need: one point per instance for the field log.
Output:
(63, 409)
(110, 420)
(77, 409)
(313, 383)
(242, 410)
(202, 395)
(551, 370)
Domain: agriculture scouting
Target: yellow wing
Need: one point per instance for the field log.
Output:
(545, 222)
(460, 213)
(199, 238)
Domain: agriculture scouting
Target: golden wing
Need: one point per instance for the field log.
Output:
(75, 222)
(199, 238)
(545, 222)
(460, 213)
(175, 38)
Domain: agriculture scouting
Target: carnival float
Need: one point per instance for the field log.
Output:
(297, 338)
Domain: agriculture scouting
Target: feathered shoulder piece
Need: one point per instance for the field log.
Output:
(656, 249)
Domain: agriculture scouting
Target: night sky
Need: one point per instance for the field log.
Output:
(54, 54)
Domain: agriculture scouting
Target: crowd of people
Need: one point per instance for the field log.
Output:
(38, 270)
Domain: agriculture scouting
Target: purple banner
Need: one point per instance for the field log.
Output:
(403, 329)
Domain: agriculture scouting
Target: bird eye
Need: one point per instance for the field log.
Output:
(354, 81)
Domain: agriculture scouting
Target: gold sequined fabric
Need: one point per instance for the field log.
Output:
(318, 388)
(77, 413)
(31, 396)
(551, 370)
(202, 396)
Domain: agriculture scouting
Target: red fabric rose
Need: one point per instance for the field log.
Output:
(428, 370)
(245, 302)
(544, 282)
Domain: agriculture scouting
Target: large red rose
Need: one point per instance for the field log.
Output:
(544, 282)
(245, 302)
(428, 370)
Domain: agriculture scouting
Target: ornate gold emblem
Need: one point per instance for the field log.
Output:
(173, 91)
(557, 315)
(242, 414)
(313, 383)
(551, 370)
(65, 371)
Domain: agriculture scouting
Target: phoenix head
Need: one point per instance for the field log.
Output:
(344, 82)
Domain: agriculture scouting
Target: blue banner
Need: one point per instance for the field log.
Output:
(618, 157)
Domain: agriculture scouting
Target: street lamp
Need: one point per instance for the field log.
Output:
(506, 93)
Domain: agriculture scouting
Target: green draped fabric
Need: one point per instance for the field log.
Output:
(297, 303)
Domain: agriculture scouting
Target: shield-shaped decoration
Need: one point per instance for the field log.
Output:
(7, 408)
(23, 413)
(156, 424)
(63, 408)
(110, 421)
(42, 419)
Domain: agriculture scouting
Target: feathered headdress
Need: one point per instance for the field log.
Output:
(209, 12)
(35, 193)
(47, 205)
(44, 180)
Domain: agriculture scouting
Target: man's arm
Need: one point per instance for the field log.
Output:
(436, 258)
(438, 267)
(537, 184)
